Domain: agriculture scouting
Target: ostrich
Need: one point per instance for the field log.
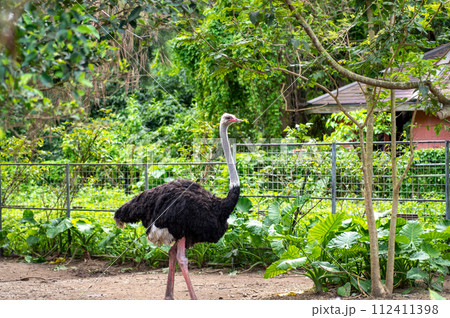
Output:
(182, 211)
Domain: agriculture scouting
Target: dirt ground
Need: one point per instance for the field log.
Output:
(94, 279)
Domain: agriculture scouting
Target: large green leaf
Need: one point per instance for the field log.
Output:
(88, 29)
(361, 284)
(443, 226)
(326, 266)
(244, 205)
(412, 231)
(292, 263)
(28, 216)
(301, 200)
(430, 250)
(441, 261)
(416, 273)
(291, 253)
(273, 212)
(273, 270)
(324, 228)
(84, 227)
(383, 233)
(401, 239)
(361, 222)
(157, 173)
(345, 240)
(289, 210)
(255, 227)
(435, 235)
(345, 291)
(32, 239)
(58, 228)
(436, 296)
(419, 256)
(277, 246)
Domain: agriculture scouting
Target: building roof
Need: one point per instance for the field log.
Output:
(352, 98)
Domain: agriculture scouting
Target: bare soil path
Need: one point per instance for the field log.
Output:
(80, 280)
(86, 280)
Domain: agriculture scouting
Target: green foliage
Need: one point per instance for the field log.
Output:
(245, 243)
(336, 250)
(221, 85)
(329, 249)
(91, 142)
(323, 231)
(57, 47)
(297, 134)
(345, 291)
(19, 150)
(436, 296)
(344, 130)
(425, 250)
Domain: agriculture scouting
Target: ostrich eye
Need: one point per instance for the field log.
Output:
(228, 118)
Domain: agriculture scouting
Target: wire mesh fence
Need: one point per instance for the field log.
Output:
(93, 187)
(321, 169)
(327, 171)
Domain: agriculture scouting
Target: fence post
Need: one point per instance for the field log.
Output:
(69, 234)
(333, 178)
(146, 176)
(1, 248)
(67, 190)
(447, 181)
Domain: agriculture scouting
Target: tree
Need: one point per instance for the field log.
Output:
(59, 58)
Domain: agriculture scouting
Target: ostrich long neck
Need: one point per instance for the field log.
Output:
(234, 178)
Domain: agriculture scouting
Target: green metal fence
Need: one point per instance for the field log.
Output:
(326, 171)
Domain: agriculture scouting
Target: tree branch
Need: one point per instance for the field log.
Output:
(360, 78)
(338, 102)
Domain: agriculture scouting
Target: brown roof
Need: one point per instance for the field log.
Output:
(352, 98)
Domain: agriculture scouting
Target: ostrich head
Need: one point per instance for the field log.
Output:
(228, 119)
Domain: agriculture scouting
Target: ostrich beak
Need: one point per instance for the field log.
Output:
(236, 120)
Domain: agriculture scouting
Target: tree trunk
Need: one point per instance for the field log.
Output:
(396, 193)
(370, 19)
(395, 196)
(378, 290)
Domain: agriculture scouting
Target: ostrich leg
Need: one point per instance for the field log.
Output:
(171, 277)
(183, 262)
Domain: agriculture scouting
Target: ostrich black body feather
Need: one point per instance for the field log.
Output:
(184, 208)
